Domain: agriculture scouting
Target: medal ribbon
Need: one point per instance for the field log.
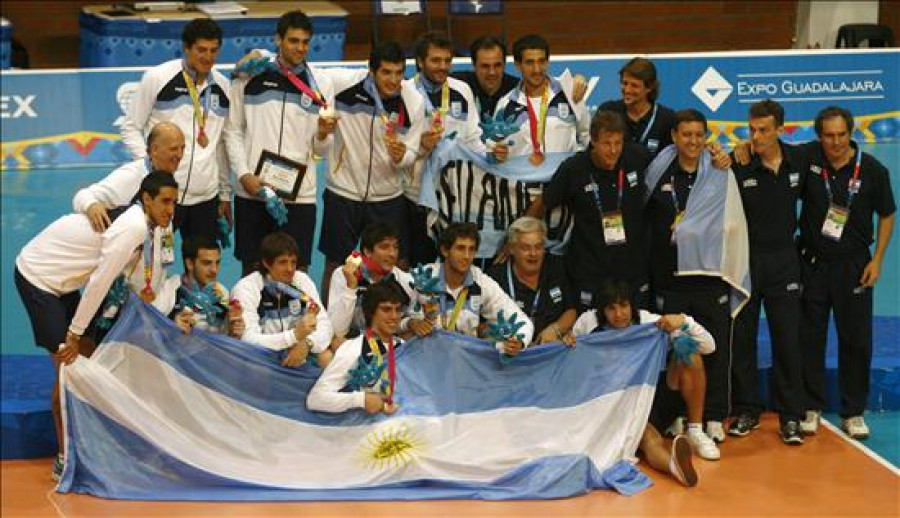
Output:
(311, 91)
(426, 87)
(457, 308)
(200, 116)
(372, 90)
(391, 366)
(148, 264)
(537, 124)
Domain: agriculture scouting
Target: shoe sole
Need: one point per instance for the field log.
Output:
(858, 437)
(793, 441)
(684, 462)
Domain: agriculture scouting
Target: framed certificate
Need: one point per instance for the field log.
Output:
(282, 174)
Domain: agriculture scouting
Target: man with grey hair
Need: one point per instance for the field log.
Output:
(537, 281)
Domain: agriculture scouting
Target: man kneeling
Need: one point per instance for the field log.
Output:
(361, 375)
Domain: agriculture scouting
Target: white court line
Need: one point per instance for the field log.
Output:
(860, 446)
(56, 507)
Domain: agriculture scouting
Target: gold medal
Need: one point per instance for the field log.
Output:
(202, 139)
(536, 158)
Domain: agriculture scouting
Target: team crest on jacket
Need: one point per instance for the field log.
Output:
(456, 109)
(305, 101)
(563, 111)
(213, 101)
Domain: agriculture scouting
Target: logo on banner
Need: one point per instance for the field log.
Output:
(712, 89)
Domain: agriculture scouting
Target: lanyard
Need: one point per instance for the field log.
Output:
(512, 290)
(312, 91)
(199, 116)
(389, 124)
(457, 308)
(649, 124)
(596, 190)
(852, 186)
(675, 196)
(391, 370)
(426, 87)
(535, 122)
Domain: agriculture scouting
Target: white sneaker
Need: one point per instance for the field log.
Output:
(856, 428)
(680, 464)
(676, 428)
(810, 425)
(715, 431)
(702, 445)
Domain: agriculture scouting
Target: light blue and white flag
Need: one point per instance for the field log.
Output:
(712, 236)
(460, 185)
(158, 415)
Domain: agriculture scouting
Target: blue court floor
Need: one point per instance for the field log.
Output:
(884, 438)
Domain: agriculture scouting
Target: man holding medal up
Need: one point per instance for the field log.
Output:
(285, 118)
(844, 189)
(450, 110)
(375, 142)
(190, 94)
(551, 120)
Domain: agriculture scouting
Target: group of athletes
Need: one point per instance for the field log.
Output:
(202, 145)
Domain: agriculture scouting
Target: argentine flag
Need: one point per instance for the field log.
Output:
(158, 415)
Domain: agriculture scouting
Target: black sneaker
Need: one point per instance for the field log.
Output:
(791, 434)
(743, 425)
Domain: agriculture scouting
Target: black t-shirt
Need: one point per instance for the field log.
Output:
(770, 200)
(661, 210)
(486, 103)
(874, 197)
(556, 297)
(660, 133)
(589, 258)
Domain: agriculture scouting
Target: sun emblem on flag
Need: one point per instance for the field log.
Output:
(390, 447)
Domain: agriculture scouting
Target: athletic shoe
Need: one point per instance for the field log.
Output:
(680, 464)
(715, 431)
(809, 425)
(58, 464)
(791, 434)
(702, 445)
(856, 428)
(743, 425)
(677, 427)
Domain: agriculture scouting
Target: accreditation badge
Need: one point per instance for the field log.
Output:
(835, 221)
(652, 145)
(167, 246)
(613, 228)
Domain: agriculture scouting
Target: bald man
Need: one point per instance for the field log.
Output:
(165, 147)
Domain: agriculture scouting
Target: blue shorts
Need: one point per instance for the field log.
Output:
(50, 315)
(344, 220)
(422, 248)
(252, 223)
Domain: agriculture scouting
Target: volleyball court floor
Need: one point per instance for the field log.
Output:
(757, 476)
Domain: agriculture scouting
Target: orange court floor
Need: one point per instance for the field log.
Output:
(757, 476)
